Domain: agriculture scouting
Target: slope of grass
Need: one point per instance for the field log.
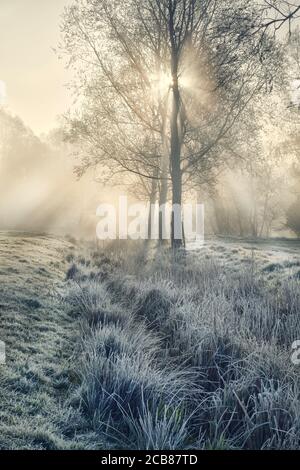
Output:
(39, 336)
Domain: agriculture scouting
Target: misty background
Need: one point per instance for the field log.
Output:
(253, 192)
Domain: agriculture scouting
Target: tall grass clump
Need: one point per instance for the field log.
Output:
(123, 381)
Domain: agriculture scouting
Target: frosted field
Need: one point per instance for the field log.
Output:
(38, 336)
(124, 348)
(279, 256)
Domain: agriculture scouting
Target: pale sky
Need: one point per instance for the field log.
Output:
(31, 75)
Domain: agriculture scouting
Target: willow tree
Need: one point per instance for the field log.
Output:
(205, 59)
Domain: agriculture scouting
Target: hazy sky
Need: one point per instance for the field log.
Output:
(30, 72)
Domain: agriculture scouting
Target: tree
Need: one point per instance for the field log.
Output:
(293, 211)
(278, 13)
(204, 53)
(20, 149)
(121, 125)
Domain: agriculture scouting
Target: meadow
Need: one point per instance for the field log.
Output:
(128, 346)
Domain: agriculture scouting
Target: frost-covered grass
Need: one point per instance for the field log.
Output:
(187, 351)
(131, 347)
(40, 334)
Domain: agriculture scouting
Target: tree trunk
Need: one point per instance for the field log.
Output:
(152, 201)
(164, 172)
(163, 196)
(176, 174)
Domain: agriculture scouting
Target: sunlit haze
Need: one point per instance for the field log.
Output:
(33, 76)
